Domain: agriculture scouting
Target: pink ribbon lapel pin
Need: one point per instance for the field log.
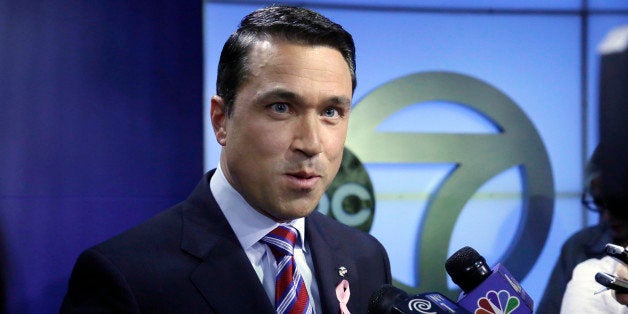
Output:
(343, 292)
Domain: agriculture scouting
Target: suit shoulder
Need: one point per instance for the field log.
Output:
(157, 230)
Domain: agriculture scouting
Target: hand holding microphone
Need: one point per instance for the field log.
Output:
(616, 281)
(622, 271)
(612, 281)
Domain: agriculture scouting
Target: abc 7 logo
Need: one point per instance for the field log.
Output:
(478, 158)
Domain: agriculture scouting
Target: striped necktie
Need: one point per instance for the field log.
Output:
(290, 292)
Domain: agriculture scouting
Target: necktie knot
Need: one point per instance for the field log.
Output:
(281, 240)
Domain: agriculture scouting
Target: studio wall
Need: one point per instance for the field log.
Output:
(100, 128)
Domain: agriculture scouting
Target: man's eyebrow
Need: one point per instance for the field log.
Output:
(284, 94)
(280, 94)
(340, 100)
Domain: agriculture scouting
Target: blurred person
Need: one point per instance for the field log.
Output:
(591, 241)
(583, 294)
(285, 84)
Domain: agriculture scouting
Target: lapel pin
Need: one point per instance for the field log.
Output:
(342, 271)
(343, 293)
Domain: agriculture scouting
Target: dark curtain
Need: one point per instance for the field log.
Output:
(100, 128)
(614, 123)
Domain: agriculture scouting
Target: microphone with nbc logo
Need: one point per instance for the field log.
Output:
(485, 290)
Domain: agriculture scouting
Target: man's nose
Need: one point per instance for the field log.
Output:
(308, 135)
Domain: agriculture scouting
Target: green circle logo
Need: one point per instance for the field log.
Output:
(478, 158)
(350, 198)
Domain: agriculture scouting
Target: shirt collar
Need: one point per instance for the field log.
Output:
(248, 224)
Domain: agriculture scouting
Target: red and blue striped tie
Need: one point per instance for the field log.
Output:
(290, 293)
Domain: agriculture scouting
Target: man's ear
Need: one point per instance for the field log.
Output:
(218, 114)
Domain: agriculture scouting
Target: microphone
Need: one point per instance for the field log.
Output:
(392, 300)
(617, 252)
(486, 290)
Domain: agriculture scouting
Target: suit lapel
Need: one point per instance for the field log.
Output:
(228, 282)
(224, 276)
(328, 257)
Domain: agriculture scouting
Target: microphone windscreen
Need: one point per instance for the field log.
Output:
(384, 299)
(463, 258)
(467, 268)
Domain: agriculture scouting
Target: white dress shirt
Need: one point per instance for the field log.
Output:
(250, 226)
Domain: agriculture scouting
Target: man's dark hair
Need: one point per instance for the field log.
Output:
(293, 24)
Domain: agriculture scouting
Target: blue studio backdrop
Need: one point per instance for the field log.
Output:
(472, 122)
(100, 128)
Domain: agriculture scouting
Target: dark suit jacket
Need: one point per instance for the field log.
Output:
(187, 259)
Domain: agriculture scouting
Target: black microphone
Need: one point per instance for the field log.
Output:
(486, 289)
(392, 300)
(617, 252)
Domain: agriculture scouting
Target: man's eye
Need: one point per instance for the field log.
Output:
(280, 107)
(331, 112)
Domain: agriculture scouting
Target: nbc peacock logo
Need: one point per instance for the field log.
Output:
(497, 303)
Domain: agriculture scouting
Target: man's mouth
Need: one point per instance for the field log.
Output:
(303, 179)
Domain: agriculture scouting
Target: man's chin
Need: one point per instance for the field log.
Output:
(293, 214)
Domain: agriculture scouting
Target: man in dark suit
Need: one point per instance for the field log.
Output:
(285, 83)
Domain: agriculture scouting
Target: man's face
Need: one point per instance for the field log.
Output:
(283, 143)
